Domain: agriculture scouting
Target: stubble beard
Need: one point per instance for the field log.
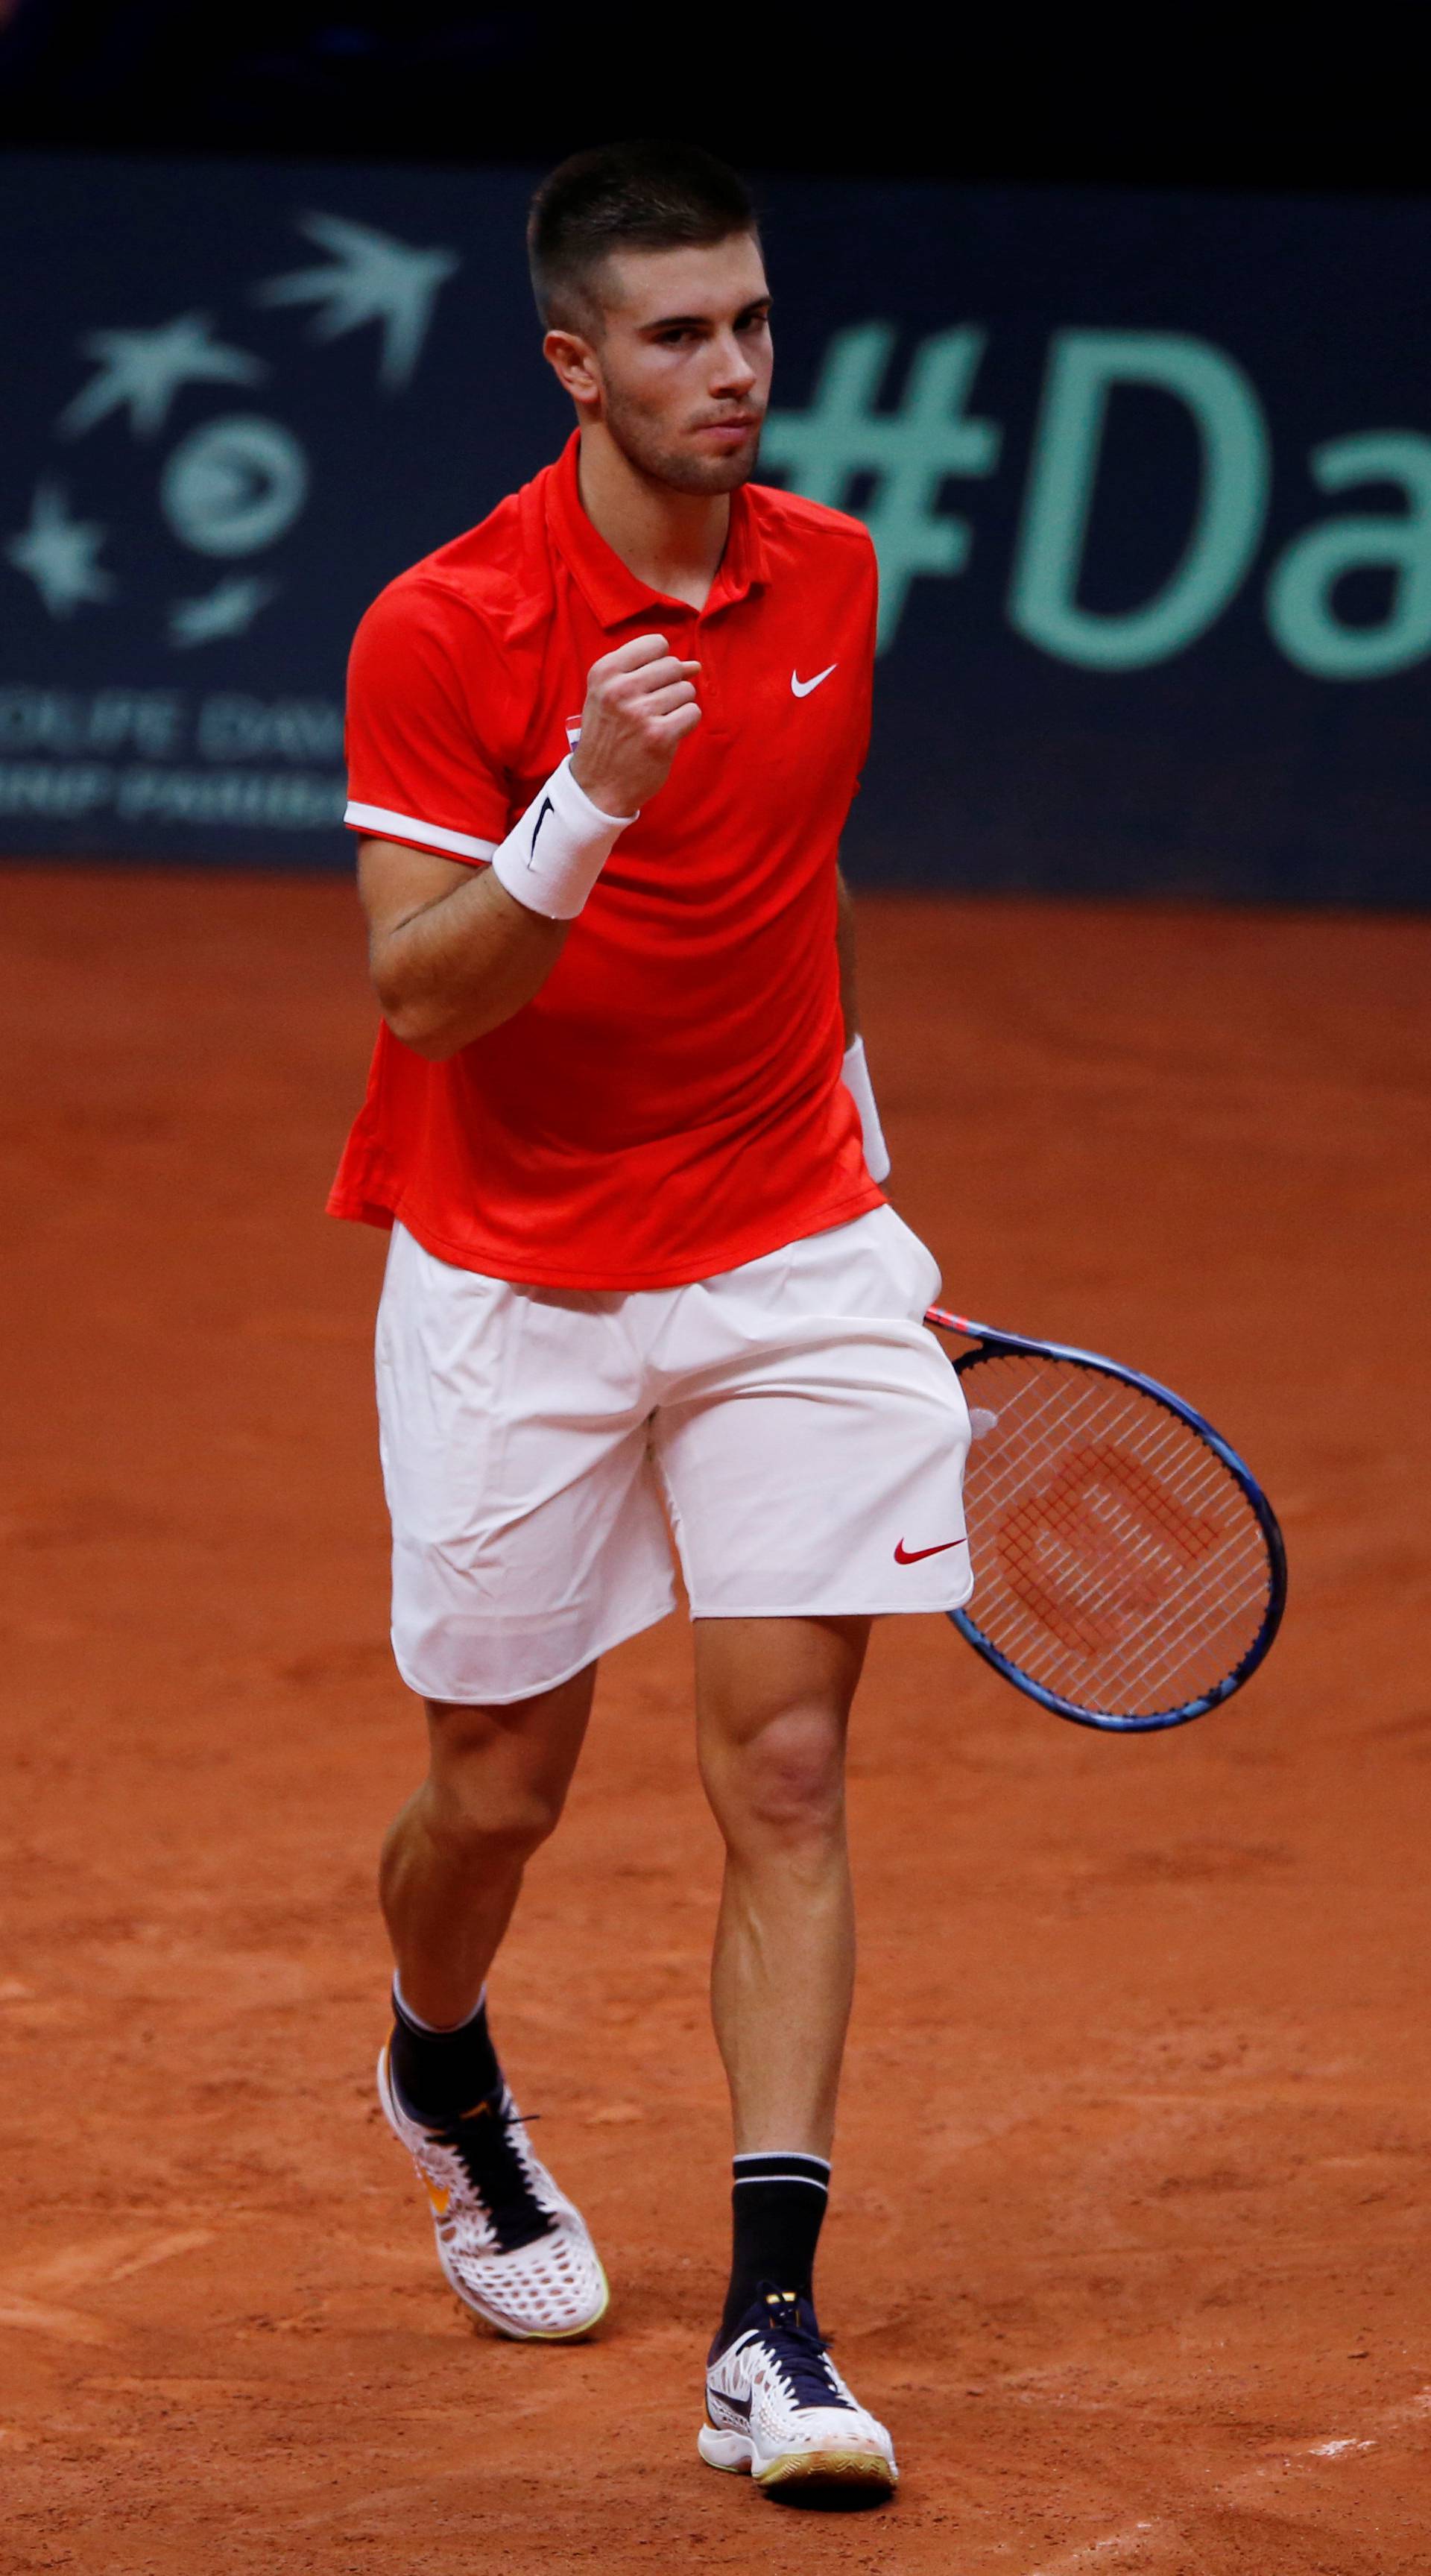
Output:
(663, 461)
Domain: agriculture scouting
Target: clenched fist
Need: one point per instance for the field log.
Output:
(640, 706)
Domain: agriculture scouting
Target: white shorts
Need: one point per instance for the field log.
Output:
(793, 1421)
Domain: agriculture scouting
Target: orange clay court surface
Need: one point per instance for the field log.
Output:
(1131, 2234)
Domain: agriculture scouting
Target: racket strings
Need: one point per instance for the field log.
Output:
(1108, 1572)
(1197, 1620)
(1117, 1560)
(1142, 1535)
(1175, 1644)
(1120, 1596)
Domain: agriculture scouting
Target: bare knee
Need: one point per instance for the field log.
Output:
(784, 1785)
(476, 1824)
(489, 1798)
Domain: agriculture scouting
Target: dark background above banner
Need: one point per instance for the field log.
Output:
(1076, 100)
(1150, 479)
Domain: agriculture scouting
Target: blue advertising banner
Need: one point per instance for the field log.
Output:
(1149, 477)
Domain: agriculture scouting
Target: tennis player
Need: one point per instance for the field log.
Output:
(642, 1276)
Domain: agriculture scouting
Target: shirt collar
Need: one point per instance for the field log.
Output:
(611, 591)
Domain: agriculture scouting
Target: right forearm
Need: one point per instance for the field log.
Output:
(462, 965)
(455, 954)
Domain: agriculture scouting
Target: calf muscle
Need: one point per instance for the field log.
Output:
(453, 1860)
(773, 1702)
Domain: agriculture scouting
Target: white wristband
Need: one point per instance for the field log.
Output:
(551, 859)
(861, 1090)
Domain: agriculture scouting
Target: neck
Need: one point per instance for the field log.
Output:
(673, 541)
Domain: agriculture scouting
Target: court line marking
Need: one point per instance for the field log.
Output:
(185, 2240)
(33, 2316)
(1163, 2531)
(102, 2259)
(95, 2265)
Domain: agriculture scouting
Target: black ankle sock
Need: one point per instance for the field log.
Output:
(441, 2073)
(777, 2204)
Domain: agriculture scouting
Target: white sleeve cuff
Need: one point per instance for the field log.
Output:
(386, 825)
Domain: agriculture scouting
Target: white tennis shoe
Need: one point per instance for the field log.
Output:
(512, 2246)
(777, 2406)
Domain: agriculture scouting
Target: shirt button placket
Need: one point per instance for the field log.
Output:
(705, 648)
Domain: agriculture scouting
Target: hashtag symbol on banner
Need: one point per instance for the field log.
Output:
(842, 436)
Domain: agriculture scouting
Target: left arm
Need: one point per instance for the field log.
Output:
(856, 1071)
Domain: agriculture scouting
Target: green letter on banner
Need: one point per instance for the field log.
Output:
(1302, 590)
(1084, 367)
(908, 452)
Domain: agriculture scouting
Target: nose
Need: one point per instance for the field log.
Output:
(732, 372)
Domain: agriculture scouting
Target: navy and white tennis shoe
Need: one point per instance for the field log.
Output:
(513, 2247)
(777, 2407)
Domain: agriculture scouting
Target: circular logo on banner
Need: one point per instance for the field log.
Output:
(234, 485)
(232, 488)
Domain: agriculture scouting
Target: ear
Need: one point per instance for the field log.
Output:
(572, 361)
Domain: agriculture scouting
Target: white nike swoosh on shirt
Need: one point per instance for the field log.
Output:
(802, 688)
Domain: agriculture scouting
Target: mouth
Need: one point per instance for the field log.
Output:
(730, 432)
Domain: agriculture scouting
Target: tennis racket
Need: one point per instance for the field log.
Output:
(1129, 1571)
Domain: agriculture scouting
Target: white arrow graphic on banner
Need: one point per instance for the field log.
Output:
(59, 554)
(142, 371)
(228, 609)
(372, 278)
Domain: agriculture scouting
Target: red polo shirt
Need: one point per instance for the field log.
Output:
(670, 1104)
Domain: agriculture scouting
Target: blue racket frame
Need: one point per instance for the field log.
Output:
(990, 1340)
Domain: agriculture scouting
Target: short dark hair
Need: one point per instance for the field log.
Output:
(625, 196)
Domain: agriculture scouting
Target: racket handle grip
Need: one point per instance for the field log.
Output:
(947, 1323)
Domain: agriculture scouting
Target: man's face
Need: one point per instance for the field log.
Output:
(682, 364)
